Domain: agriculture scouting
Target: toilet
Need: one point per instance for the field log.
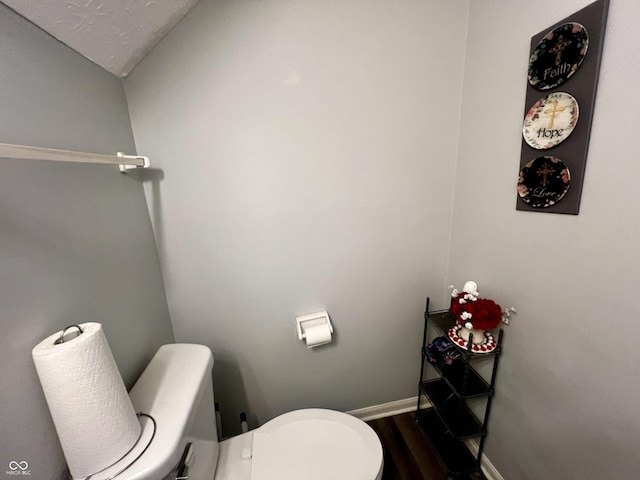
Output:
(174, 398)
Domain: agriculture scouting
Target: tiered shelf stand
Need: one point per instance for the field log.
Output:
(450, 423)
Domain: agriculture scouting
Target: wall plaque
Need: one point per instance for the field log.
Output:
(564, 64)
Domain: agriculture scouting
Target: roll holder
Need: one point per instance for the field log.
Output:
(312, 320)
(63, 333)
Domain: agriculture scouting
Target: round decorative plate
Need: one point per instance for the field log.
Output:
(550, 120)
(543, 182)
(558, 55)
(488, 345)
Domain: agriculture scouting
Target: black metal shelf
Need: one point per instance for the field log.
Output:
(463, 379)
(450, 421)
(453, 411)
(455, 454)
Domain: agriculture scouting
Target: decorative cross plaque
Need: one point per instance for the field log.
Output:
(564, 63)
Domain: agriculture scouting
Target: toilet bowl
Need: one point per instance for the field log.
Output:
(310, 444)
(179, 439)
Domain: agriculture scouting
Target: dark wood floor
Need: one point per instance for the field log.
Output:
(407, 452)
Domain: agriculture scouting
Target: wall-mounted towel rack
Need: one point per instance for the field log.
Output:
(125, 162)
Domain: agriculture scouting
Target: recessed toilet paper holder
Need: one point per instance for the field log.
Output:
(312, 320)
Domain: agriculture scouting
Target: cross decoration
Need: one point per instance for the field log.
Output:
(553, 112)
(559, 48)
(544, 171)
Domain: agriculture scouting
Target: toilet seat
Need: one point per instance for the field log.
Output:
(316, 444)
(309, 444)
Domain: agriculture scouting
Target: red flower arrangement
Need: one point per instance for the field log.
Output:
(474, 312)
(485, 314)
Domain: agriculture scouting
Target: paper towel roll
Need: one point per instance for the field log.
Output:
(318, 335)
(89, 404)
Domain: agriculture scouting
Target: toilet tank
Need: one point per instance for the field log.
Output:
(176, 391)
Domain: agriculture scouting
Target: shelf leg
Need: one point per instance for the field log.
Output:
(422, 352)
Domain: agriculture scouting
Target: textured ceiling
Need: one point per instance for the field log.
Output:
(115, 34)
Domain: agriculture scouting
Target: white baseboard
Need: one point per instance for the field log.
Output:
(388, 409)
(409, 405)
(487, 467)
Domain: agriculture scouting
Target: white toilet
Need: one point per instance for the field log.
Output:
(174, 396)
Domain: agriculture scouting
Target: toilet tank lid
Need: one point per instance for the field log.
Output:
(176, 373)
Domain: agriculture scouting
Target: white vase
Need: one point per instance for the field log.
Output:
(478, 335)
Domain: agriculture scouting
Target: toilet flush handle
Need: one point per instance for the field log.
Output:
(185, 460)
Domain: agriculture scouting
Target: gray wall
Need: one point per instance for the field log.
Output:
(308, 153)
(568, 389)
(76, 242)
